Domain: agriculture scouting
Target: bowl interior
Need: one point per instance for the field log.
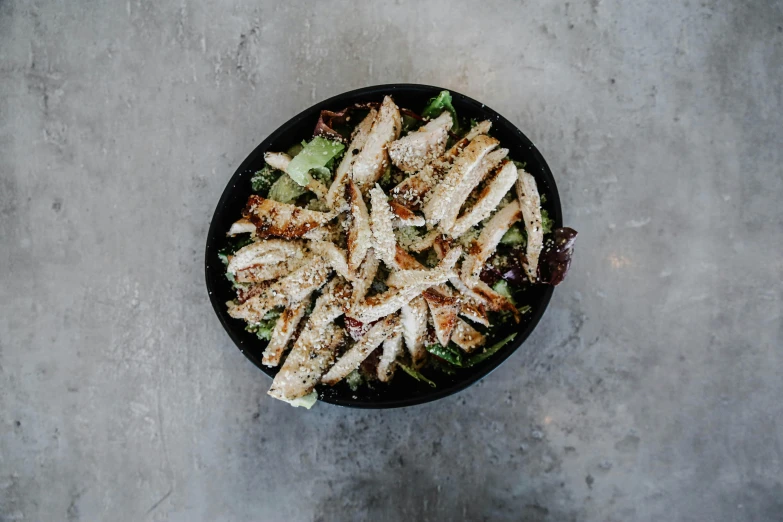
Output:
(403, 390)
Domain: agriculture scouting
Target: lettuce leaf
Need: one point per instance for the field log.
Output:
(489, 352)
(315, 153)
(416, 374)
(306, 401)
(555, 259)
(285, 190)
(264, 179)
(438, 104)
(447, 353)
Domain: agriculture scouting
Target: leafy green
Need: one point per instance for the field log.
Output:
(503, 289)
(525, 309)
(295, 149)
(438, 104)
(447, 353)
(415, 374)
(513, 236)
(264, 179)
(285, 190)
(263, 329)
(546, 221)
(519, 164)
(306, 401)
(406, 236)
(316, 153)
(354, 380)
(489, 352)
(233, 245)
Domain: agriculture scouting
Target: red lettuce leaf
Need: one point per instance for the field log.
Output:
(555, 259)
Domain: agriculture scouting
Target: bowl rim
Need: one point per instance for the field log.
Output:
(344, 99)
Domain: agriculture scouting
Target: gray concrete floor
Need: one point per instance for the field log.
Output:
(652, 389)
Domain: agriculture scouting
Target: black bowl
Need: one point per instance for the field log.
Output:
(403, 390)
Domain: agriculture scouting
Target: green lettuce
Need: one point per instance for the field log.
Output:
(438, 104)
(489, 352)
(315, 153)
(416, 374)
(447, 353)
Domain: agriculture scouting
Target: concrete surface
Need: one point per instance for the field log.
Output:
(651, 390)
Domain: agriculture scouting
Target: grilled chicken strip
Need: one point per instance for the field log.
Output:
(351, 359)
(412, 152)
(315, 348)
(264, 253)
(392, 348)
(413, 317)
(530, 204)
(241, 226)
(359, 232)
(307, 362)
(414, 282)
(336, 196)
(284, 328)
(461, 194)
(274, 219)
(373, 159)
(404, 217)
(285, 291)
(443, 308)
(467, 337)
(381, 218)
(488, 199)
(488, 241)
(460, 179)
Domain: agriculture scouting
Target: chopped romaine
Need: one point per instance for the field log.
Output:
(415, 374)
(264, 179)
(489, 352)
(513, 236)
(285, 190)
(438, 104)
(519, 164)
(306, 401)
(354, 380)
(295, 149)
(316, 153)
(503, 289)
(446, 353)
(546, 221)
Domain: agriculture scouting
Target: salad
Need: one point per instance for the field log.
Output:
(389, 245)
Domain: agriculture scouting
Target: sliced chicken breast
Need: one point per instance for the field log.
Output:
(351, 359)
(392, 348)
(488, 199)
(443, 308)
(336, 196)
(242, 226)
(359, 232)
(274, 219)
(311, 355)
(264, 253)
(381, 218)
(284, 328)
(413, 317)
(488, 241)
(412, 152)
(467, 337)
(530, 204)
(467, 185)
(404, 217)
(449, 192)
(373, 159)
